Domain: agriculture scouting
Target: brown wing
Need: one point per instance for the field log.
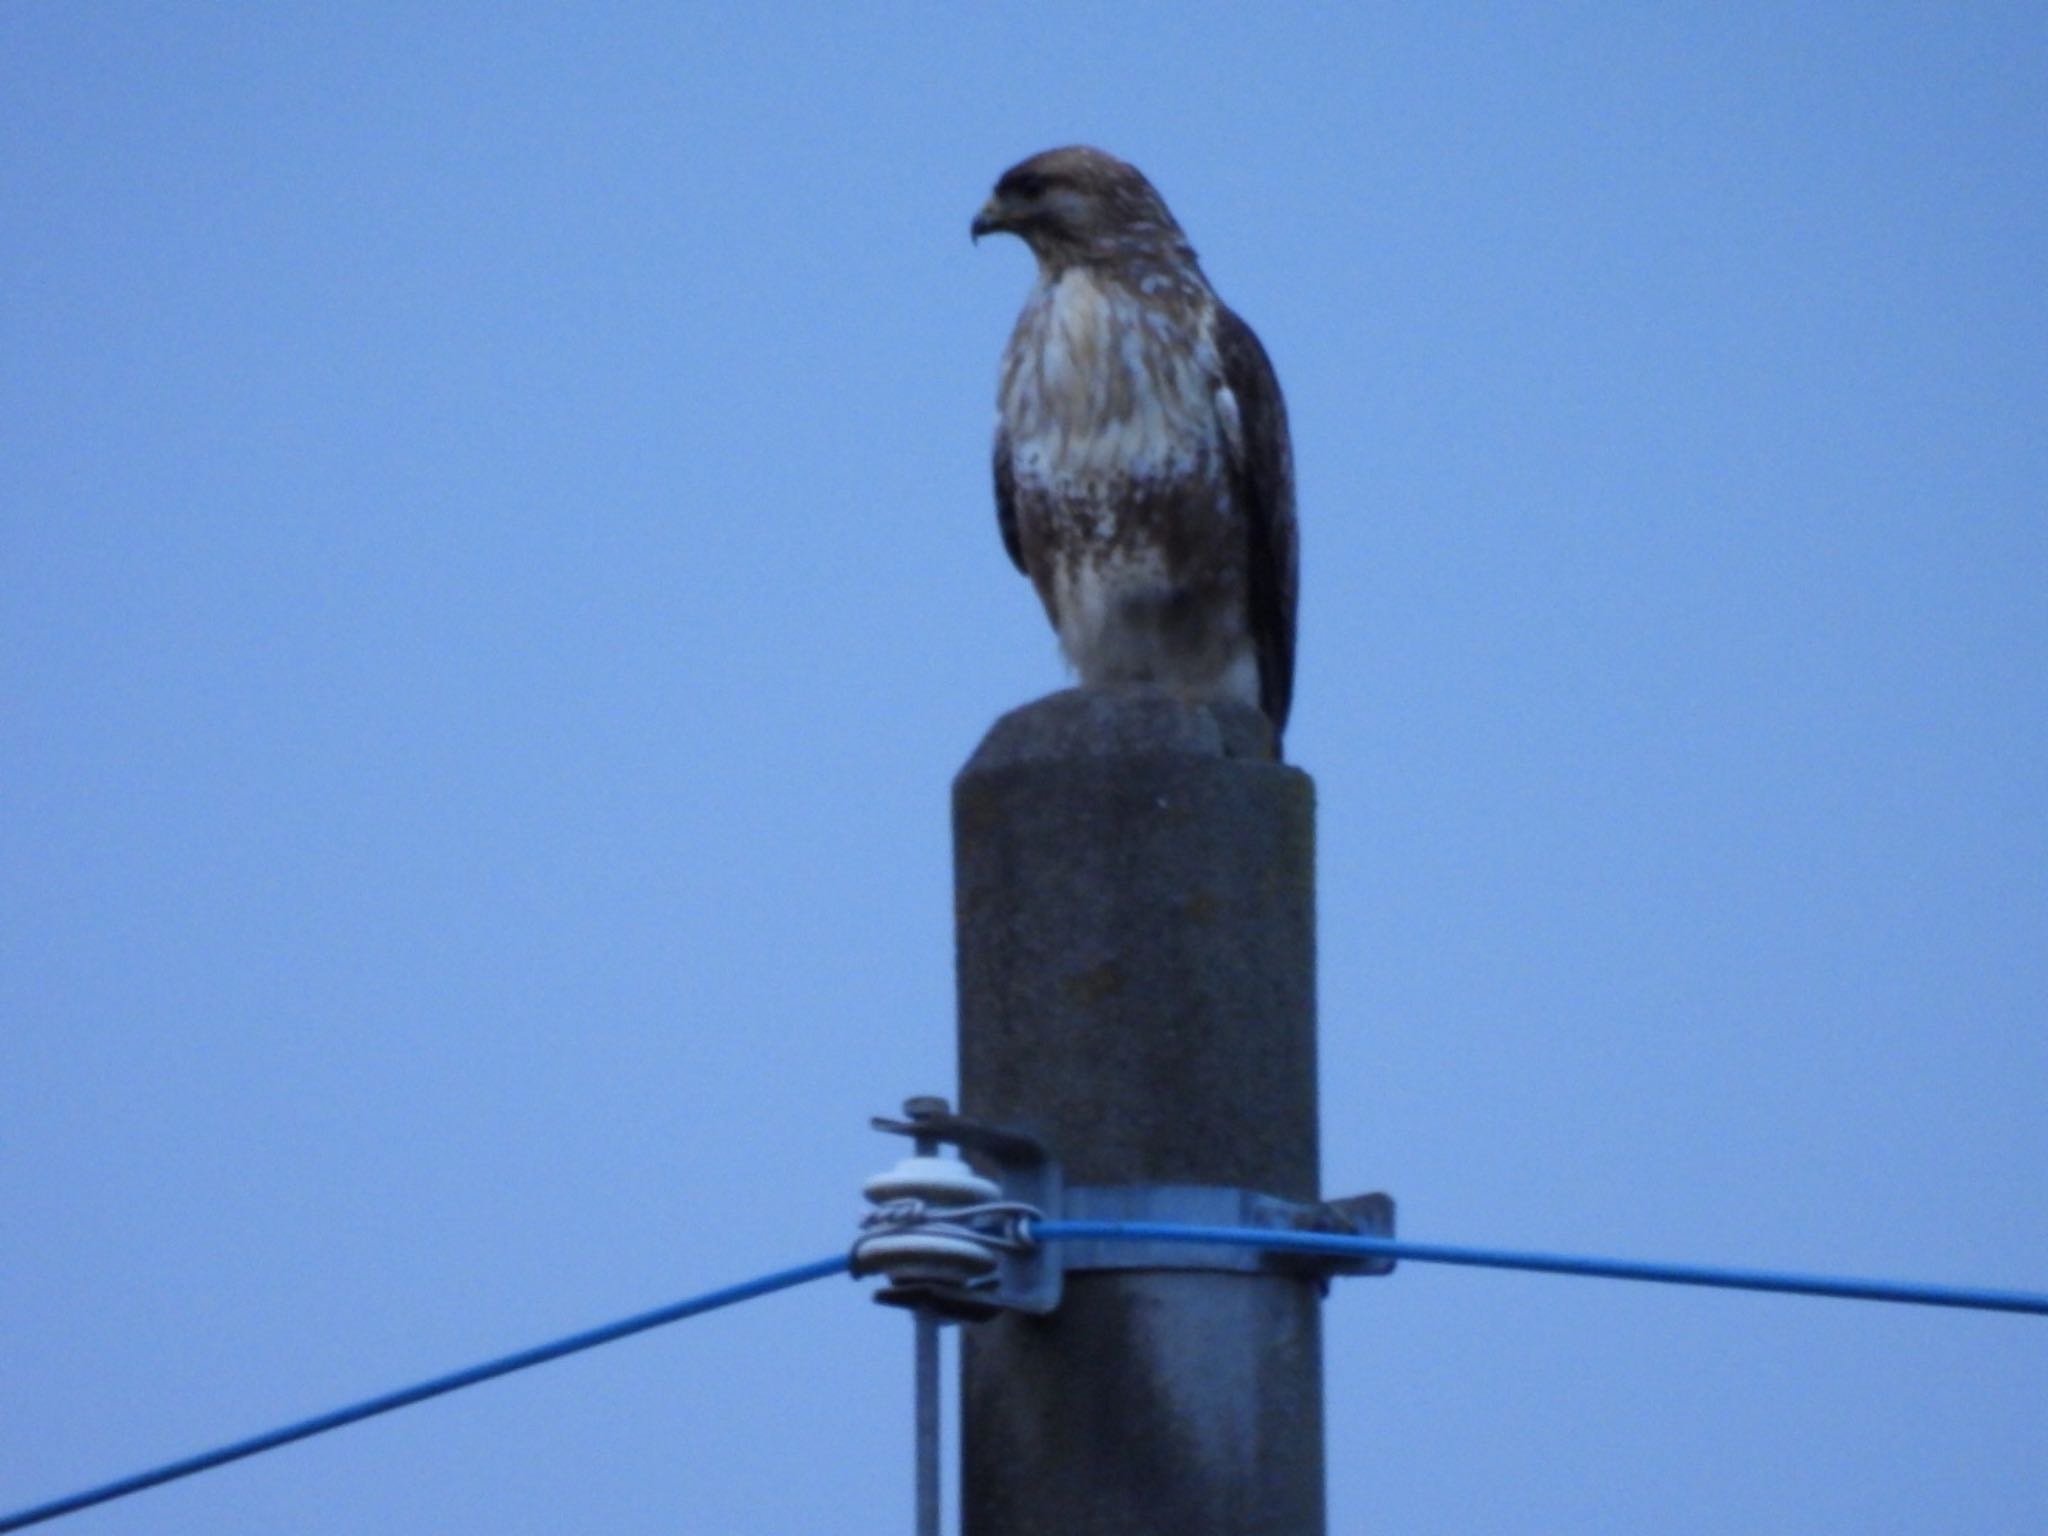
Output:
(1006, 500)
(1262, 477)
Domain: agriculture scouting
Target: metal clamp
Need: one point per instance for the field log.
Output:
(1218, 1205)
(957, 1241)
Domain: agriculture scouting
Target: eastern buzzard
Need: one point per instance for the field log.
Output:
(1143, 477)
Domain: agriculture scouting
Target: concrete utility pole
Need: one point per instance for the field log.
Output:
(1136, 927)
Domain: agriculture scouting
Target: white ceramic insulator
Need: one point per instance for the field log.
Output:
(926, 1255)
(938, 1181)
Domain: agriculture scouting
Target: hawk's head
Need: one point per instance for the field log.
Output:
(1080, 204)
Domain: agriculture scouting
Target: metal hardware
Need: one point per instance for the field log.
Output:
(962, 1258)
(1214, 1205)
(957, 1241)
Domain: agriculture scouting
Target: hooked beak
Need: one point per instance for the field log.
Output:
(988, 222)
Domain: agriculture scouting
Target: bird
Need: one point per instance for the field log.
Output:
(1144, 479)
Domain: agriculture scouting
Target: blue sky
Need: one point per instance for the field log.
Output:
(500, 571)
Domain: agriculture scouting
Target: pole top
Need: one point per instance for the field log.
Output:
(1124, 721)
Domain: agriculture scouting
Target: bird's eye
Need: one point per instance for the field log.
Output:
(1027, 184)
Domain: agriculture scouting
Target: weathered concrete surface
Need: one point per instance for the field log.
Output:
(1135, 901)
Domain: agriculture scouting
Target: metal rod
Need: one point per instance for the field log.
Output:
(927, 1386)
(927, 1423)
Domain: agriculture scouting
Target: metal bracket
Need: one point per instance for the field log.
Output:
(1218, 1205)
(1030, 1279)
(1025, 1280)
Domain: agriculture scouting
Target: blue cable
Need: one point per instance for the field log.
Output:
(1271, 1241)
(1551, 1263)
(540, 1354)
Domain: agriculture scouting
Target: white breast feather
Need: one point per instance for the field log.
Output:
(1089, 410)
(1107, 394)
